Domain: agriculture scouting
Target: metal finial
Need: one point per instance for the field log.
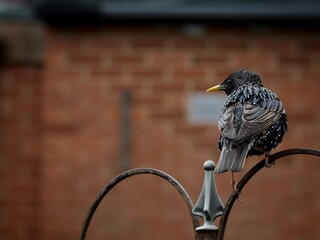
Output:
(209, 205)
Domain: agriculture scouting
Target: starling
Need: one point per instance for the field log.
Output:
(253, 121)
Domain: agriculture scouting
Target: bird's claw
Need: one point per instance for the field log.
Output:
(269, 165)
(235, 189)
(266, 159)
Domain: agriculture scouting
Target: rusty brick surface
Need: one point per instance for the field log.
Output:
(60, 126)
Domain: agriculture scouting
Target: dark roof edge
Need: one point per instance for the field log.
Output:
(86, 12)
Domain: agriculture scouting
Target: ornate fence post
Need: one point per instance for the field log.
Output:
(209, 205)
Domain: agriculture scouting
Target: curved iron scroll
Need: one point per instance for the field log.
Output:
(228, 207)
(234, 195)
(131, 173)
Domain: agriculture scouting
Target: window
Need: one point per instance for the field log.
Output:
(205, 108)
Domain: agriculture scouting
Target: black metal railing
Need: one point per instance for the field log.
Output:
(208, 206)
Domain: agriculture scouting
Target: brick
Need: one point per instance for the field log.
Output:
(189, 72)
(247, 59)
(188, 43)
(60, 126)
(274, 45)
(126, 58)
(169, 58)
(98, 72)
(20, 152)
(294, 59)
(190, 129)
(84, 57)
(147, 43)
(161, 87)
(64, 129)
(147, 100)
(163, 114)
(210, 59)
(146, 73)
(232, 43)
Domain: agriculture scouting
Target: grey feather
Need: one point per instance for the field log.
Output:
(255, 118)
(233, 159)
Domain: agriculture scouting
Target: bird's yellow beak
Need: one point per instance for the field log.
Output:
(215, 88)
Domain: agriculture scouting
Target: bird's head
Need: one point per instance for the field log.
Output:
(238, 79)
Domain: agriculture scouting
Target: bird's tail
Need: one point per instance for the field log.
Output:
(232, 159)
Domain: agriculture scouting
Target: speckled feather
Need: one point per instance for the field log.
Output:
(253, 121)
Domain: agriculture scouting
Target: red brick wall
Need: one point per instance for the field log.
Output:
(20, 150)
(85, 72)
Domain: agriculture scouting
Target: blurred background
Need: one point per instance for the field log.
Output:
(92, 88)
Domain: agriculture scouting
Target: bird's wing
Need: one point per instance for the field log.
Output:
(255, 119)
(226, 122)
